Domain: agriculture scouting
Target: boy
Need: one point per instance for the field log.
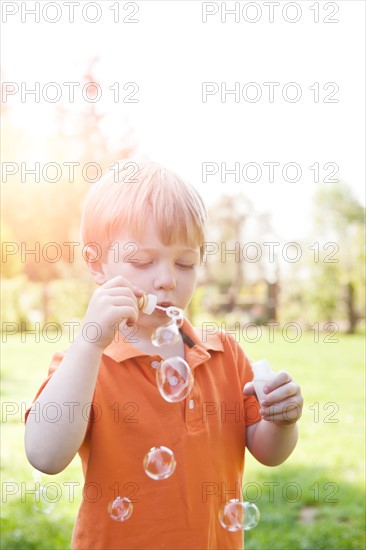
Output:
(145, 234)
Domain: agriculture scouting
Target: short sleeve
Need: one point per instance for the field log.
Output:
(251, 404)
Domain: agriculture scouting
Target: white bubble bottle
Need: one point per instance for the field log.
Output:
(262, 374)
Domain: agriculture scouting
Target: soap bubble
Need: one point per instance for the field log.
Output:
(176, 313)
(159, 463)
(120, 509)
(166, 334)
(174, 379)
(251, 516)
(236, 515)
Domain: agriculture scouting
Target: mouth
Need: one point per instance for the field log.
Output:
(164, 304)
(161, 308)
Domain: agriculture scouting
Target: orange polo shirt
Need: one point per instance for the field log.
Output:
(206, 432)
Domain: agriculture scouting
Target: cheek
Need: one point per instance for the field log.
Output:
(112, 269)
(188, 283)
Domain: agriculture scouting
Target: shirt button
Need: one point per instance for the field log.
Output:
(191, 404)
(155, 364)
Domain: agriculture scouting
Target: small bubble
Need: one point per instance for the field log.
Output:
(174, 379)
(159, 463)
(166, 334)
(120, 509)
(236, 515)
(177, 314)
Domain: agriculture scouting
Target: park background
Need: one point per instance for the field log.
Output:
(302, 307)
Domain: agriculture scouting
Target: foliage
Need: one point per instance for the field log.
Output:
(338, 282)
(22, 301)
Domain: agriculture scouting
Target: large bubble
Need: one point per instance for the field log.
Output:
(236, 515)
(174, 379)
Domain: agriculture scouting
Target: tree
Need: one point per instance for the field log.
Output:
(224, 265)
(339, 277)
(236, 262)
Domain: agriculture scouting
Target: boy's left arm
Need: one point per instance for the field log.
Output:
(274, 437)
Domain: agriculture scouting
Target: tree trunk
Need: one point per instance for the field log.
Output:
(351, 311)
(272, 295)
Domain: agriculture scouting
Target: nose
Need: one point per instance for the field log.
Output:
(165, 278)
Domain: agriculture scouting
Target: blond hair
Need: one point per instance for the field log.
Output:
(124, 198)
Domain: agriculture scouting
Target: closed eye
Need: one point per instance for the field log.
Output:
(139, 263)
(185, 266)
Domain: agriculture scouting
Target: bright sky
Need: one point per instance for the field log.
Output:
(169, 52)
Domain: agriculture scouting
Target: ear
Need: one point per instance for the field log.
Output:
(95, 265)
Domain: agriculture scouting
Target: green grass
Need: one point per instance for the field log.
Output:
(324, 477)
(31, 520)
(313, 501)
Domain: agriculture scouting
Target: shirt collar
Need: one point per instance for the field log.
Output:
(121, 350)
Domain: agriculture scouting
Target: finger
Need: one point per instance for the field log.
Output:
(119, 291)
(123, 302)
(120, 281)
(124, 327)
(281, 378)
(286, 391)
(125, 313)
(248, 389)
(286, 411)
(117, 297)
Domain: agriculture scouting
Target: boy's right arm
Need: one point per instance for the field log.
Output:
(50, 446)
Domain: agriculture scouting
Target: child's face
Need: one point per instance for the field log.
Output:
(170, 272)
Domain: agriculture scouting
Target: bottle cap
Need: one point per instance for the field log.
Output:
(262, 370)
(147, 303)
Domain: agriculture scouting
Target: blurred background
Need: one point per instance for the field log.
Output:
(284, 267)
